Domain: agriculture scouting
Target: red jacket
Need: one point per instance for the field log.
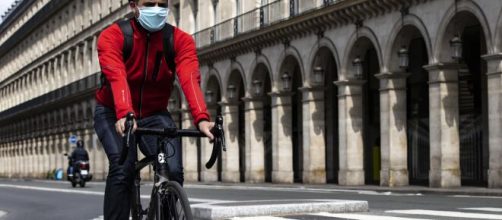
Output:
(129, 90)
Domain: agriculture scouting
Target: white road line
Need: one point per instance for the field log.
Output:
(260, 218)
(84, 192)
(362, 217)
(2, 213)
(485, 209)
(468, 215)
(484, 197)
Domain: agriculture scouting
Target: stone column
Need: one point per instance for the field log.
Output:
(39, 157)
(207, 175)
(494, 63)
(394, 149)
(46, 153)
(58, 152)
(12, 164)
(255, 145)
(3, 160)
(314, 146)
(350, 126)
(282, 143)
(444, 125)
(9, 159)
(189, 145)
(24, 158)
(230, 158)
(52, 152)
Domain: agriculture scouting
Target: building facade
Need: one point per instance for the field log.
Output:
(348, 92)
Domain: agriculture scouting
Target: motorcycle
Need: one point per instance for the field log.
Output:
(78, 172)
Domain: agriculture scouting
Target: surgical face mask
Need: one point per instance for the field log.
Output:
(153, 18)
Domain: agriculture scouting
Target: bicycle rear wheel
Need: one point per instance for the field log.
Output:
(172, 203)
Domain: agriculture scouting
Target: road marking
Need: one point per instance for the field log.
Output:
(2, 213)
(485, 209)
(446, 214)
(84, 192)
(483, 197)
(362, 217)
(260, 218)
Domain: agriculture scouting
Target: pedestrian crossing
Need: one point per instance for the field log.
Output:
(405, 214)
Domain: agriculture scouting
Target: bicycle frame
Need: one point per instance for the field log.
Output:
(161, 175)
(161, 167)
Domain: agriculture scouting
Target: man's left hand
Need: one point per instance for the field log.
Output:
(205, 127)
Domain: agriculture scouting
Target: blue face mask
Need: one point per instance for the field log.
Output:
(153, 18)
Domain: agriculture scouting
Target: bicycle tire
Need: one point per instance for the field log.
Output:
(171, 203)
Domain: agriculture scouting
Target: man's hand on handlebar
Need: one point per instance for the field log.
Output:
(120, 126)
(205, 127)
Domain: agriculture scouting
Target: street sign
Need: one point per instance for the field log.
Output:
(73, 139)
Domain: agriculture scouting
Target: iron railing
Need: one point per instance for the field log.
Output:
(263, 16)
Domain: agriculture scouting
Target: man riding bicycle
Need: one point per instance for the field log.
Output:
(141, 82)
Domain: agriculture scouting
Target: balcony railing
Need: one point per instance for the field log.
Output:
(253, 20)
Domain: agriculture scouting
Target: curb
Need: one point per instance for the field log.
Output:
(465, 191)
(226, 210)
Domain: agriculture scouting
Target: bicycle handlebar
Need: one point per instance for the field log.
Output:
(217, 131)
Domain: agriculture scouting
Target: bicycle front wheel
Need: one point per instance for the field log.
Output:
(172, 203)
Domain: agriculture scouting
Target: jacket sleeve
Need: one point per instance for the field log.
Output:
(187, 67)
(110, 44)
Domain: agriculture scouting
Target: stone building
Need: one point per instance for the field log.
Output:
(352, 92)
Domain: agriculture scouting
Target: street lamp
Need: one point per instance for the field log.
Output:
(404, 59)
(456, 45)
(286, 82)
(358, 68)
(172, 105)
(257, 86)
(231, 92)
(318, 74)
(209, 96)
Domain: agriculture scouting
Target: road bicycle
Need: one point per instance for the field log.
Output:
(168, 200)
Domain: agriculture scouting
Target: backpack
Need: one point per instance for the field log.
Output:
(168, 35)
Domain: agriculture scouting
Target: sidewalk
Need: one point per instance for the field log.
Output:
(465, 190)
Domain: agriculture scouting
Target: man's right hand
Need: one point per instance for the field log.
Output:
(120, 126)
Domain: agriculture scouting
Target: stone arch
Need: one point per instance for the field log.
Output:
(260, 60)
(236, 67)
(356, 47)
(409, 22)
(321, 43)
(214, 83)
(289, 52)
(467, 12)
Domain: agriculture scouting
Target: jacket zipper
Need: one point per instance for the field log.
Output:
(145, 74)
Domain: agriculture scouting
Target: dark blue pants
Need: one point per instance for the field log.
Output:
(120, 180)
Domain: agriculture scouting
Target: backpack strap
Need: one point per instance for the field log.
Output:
(169, 53)
(125, 26)
(127, 32)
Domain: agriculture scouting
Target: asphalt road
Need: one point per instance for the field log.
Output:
(41, 200)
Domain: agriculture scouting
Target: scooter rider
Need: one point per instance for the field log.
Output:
(79, 154)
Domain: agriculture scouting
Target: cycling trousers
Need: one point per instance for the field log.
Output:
(120, 179)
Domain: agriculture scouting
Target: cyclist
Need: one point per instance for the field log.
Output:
(142, 84)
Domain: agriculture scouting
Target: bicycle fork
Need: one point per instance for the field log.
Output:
(161, 176)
